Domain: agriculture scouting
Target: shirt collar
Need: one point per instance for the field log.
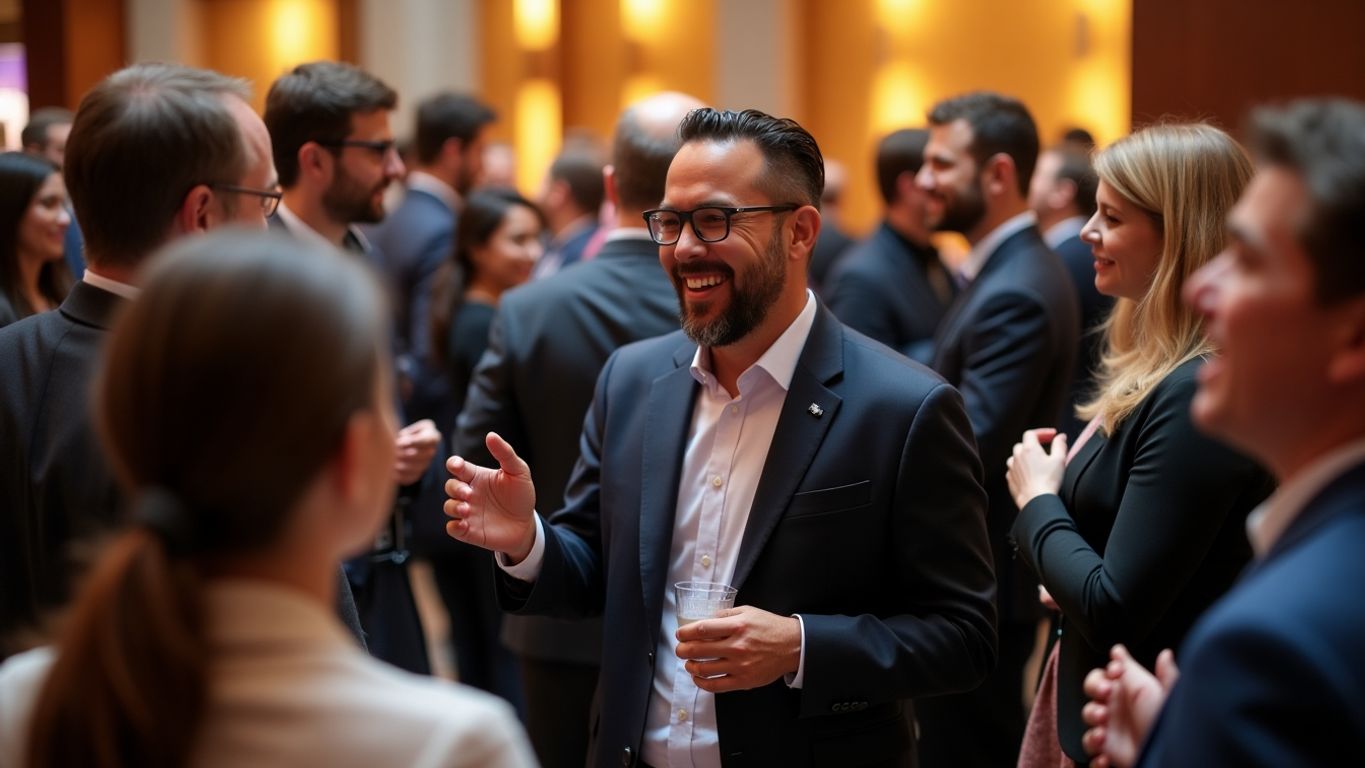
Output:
(1064, 230)
(981, 252)
(425, 182)
(1269, 521)
(300, 229)
(778, 361)
(115, 287)
(628, 233)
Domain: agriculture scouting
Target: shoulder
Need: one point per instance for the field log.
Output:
(867, 361)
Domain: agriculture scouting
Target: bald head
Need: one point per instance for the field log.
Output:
(645, 143)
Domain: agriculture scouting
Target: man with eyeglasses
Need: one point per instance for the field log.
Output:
(833, 482)
(211, 167)
(329, 124)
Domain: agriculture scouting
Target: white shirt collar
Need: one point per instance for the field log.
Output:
(300, 229)
(628, 233)
(115, 287)
(1064, 230)
(981, 252)
(779, 360)
(1268, 522)
(421, 180)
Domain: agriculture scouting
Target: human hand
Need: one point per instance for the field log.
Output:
(1032, 470)
(1125, 701)
(416, 443)
(1045, 598)
(739, 649)
(492, 508)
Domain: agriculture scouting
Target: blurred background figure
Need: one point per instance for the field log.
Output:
(1062, 196)
(571, 200)
(1138, 527)
(45, 135)
(499, 165)
(205, 636)
(833, 239)
(892, 286)
(33, 224)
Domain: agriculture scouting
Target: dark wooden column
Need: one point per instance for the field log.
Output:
(70, 45)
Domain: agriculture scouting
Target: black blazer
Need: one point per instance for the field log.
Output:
(1273, 675)
(881, 288)
(56, 485)
(1148, 529)
(1009, 344)
(867, 521)
(549, 340)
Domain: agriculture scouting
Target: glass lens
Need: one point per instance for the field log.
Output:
(665, 226)
(712, 224)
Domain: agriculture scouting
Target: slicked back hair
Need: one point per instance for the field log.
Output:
(315, 102)
(1000, 124)
(794, 170)
(899, 152)
(1323, 142)
(142, 139)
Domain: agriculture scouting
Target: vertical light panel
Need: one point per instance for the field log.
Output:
(536, 23)
(538, 121)
(643, 20)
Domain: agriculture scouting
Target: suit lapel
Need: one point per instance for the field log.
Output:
(668, 416)
(92, 306)
(797, 437)
(1081, 462)
(950, 328)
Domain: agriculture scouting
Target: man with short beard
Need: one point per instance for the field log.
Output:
(1008, 343)
(831, 481)
(334, 151)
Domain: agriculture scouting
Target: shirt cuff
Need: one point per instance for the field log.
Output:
(529, 569)
(798, 679)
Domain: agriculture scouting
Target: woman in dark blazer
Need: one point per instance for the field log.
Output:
(1140, 526)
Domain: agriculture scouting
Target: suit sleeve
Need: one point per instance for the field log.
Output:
(1243, 701)
(944, 639)
(1007, 354)
(1177, 494)
(423, 277)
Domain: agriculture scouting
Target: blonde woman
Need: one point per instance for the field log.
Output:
(1137, 528)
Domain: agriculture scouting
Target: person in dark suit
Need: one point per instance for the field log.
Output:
(1141, 525)
(1272, 674)
(329, 123)
(1008, 343)
(833, 241)
(736, 451)
(414, 239)
(212, 168)
(892, 286)
(570, 200)
(1062, 196)
(548, 344)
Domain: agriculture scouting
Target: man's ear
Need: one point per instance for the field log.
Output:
(316, 161)
(1347, 366)
(805, 231)
(1063, 194)
(197, 210)
(905, 185)
(999, 175)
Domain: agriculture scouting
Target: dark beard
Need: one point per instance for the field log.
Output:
(749, 304)
(346, 201)
(964, 213)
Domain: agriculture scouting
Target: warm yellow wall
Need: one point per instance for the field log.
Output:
(260, 39)
(876, 65)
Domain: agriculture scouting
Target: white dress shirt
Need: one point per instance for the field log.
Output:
(289, 687)
(981, 252)
(727, 446)
(1268, 522)
(111, 285)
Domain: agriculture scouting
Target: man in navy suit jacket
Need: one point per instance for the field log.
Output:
(570, 201)
(830, 480)
(1273, 674)
(1009, 344)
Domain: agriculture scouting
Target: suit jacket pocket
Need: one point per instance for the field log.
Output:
(830, 500)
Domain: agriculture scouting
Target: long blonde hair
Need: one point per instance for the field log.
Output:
(1187, 178)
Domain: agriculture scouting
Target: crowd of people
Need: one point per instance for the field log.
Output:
(243, 388)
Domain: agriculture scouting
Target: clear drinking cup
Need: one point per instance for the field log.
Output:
(702, 600)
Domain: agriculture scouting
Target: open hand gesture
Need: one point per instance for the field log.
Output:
(492, 508)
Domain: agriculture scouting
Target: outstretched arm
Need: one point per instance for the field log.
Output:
(493, 508)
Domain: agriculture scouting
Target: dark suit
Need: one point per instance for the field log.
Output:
(56, 486)
(1009, 344)
(1147, 530)
(830, 247)
(567, 251)
(1080, 264)
(1273, 674)
(411, 244)
(885, 560)
(882, 288)
(549, 341)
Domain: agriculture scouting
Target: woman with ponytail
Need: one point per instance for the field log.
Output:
(244, 405)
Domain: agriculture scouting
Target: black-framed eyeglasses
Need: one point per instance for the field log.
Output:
(270, 198)
(710, 223)
(380, 147)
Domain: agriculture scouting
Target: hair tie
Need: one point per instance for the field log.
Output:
(161, 512)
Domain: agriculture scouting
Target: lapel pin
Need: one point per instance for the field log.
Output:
(815, 410)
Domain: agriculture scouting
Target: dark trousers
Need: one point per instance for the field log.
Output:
(982, 728)
(388, 613)
(464, 577)
(558, 710)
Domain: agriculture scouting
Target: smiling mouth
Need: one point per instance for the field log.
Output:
(701, 282)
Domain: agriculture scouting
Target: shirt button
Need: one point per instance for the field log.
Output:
(682, 715)
(734, 409)
(706, 561)
(717, 482)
